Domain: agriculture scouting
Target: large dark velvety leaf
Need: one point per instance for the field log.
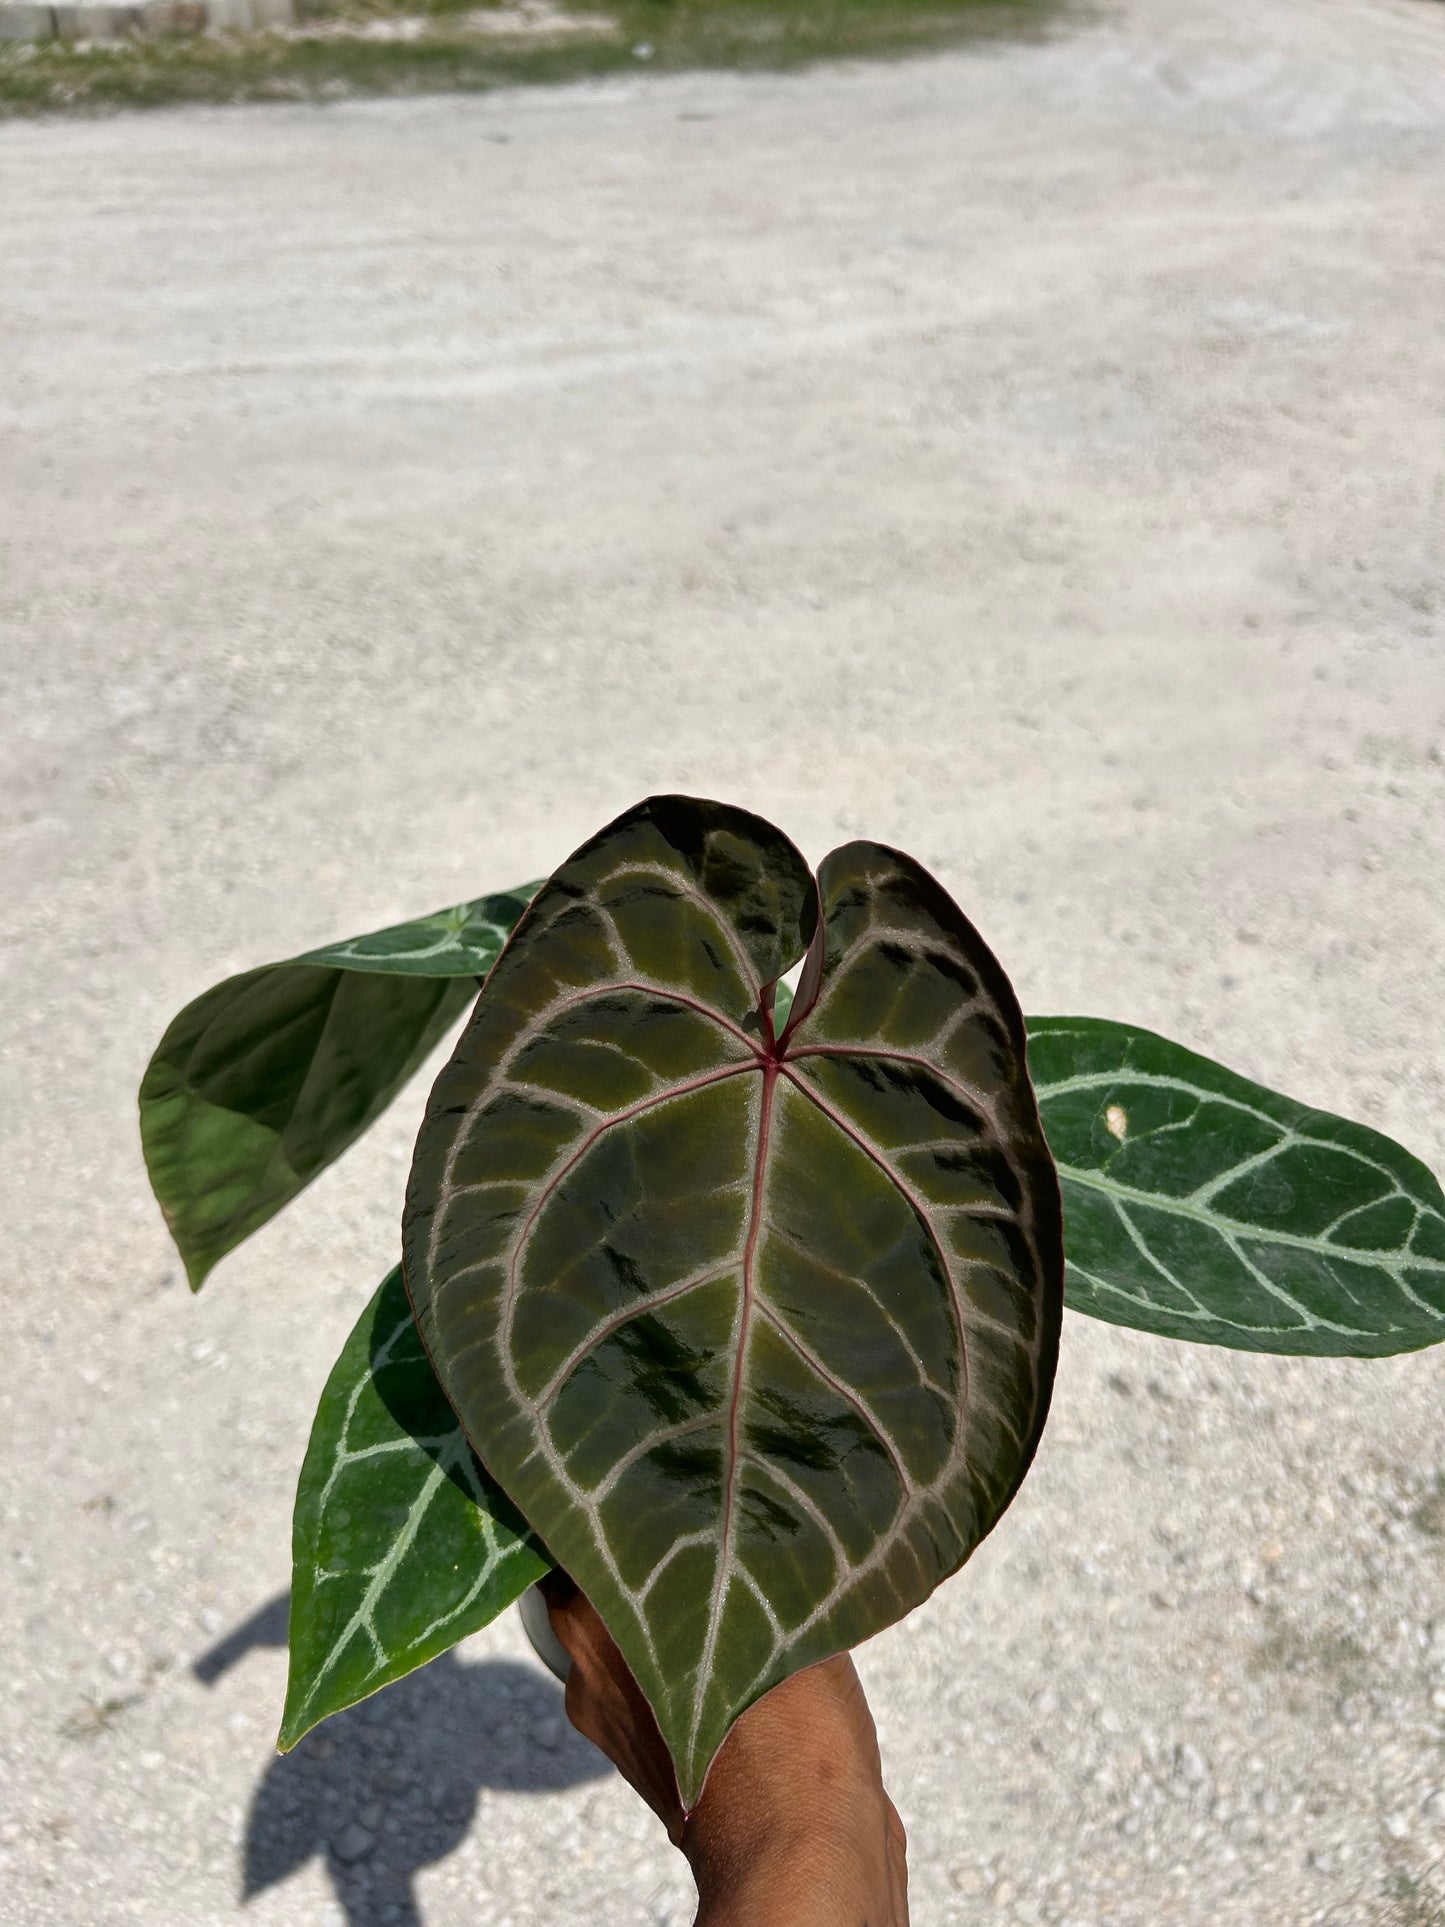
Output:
(401, 1543)
(758, 1334)
(1202, 1206)
(265, 1079)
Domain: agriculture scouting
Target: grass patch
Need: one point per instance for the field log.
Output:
(352, 48)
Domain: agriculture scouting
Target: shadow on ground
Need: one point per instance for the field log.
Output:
(389, 1787)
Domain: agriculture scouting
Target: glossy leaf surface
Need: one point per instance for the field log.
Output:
(1199, 1205)
(265, 1079)
(758, 1334)
(460, 942)
(401, 1543)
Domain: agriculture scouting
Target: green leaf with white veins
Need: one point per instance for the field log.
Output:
(265, 1079)
(1199, 1205)
(757, 1331)
(401, 1543)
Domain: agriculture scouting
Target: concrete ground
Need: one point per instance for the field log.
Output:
(1031, 456)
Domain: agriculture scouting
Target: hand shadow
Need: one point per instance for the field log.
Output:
(390, 1786)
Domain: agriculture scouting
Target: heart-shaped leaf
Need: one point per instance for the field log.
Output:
(265, 1079)
(401, 1544)
(1202, 1206)
(759, 1334)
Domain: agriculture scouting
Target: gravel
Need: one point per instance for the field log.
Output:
(1029, 456)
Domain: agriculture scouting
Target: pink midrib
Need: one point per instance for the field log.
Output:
(765, 1118)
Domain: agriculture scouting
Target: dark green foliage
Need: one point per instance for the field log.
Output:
(265, 1079)
(758, 1332)
(401, 1543)
(1202, 1206)
(753, 1322)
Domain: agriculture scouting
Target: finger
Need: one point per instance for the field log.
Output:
(579, 1626)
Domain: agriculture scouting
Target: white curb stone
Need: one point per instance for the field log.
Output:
(106, 20)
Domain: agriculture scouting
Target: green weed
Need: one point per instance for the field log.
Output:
(452, 52)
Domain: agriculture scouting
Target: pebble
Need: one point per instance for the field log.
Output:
(353, 1843)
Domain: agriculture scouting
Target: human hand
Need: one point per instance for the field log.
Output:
(794, 1828)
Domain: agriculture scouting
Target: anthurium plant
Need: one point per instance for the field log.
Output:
(742, 1307)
